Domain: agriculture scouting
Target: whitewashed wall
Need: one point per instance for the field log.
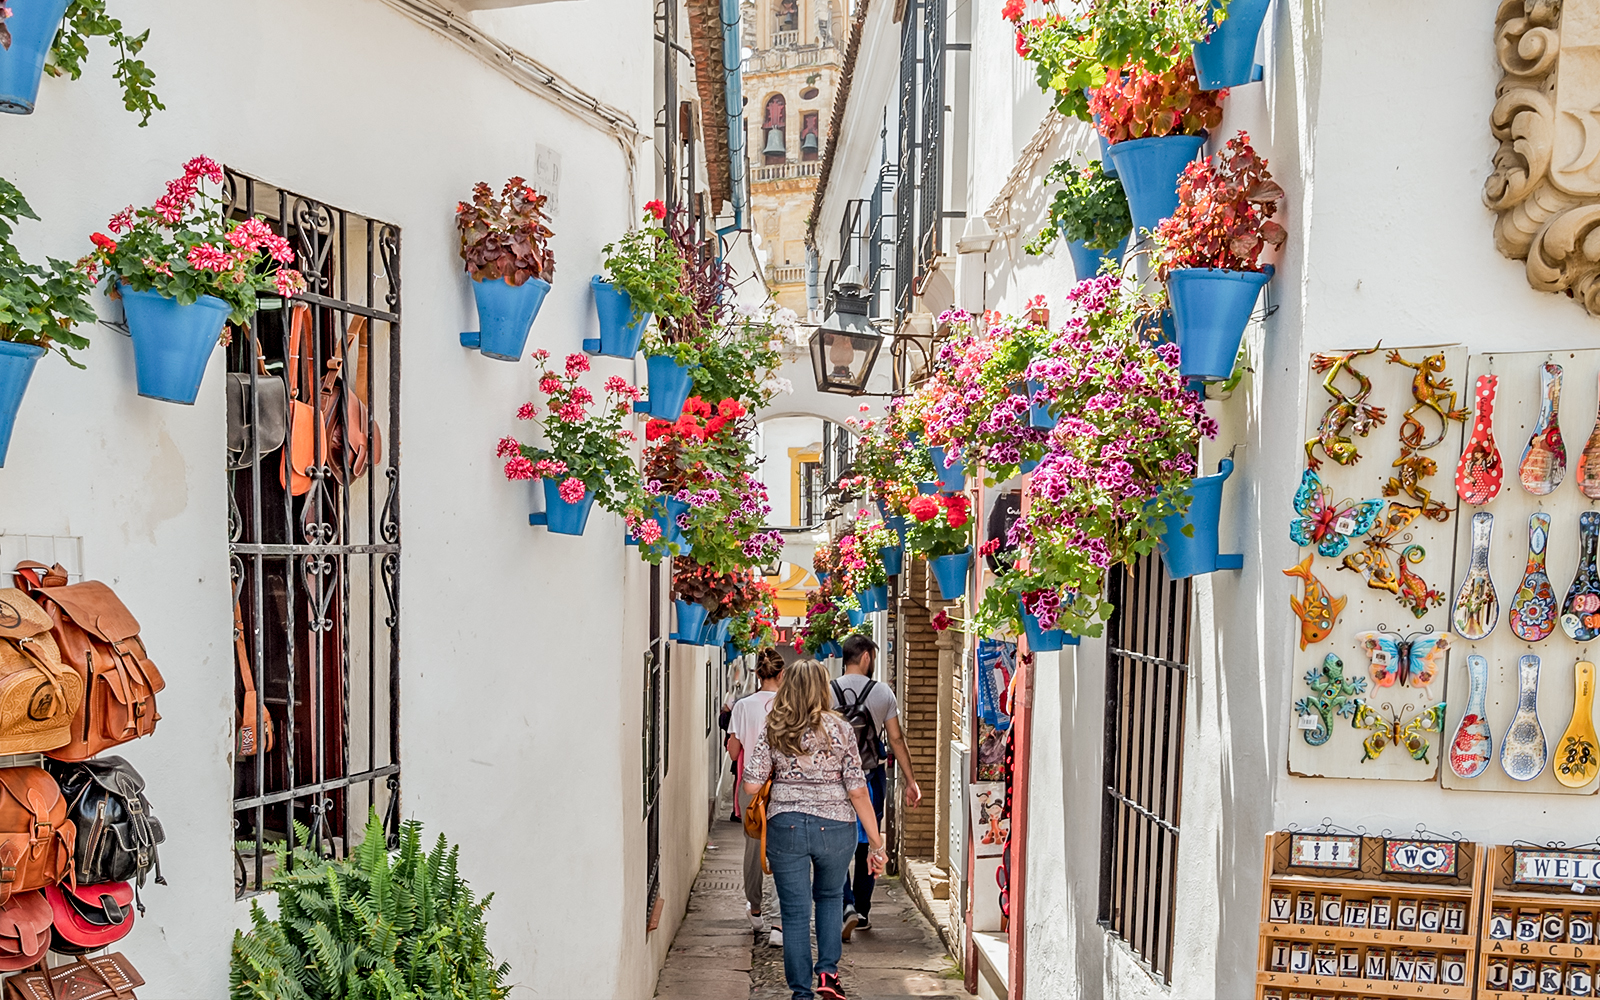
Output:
(522, 651)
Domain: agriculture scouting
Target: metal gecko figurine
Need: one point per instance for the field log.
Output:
(1431, 394)
(1348, 416)
(1413, 591)
(1414, 467)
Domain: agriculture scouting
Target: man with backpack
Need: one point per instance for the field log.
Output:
(874, 714)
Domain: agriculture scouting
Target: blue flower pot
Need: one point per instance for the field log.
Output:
(952, 477)
(505, 315)
(16, 368)
(874, 598)
(894, 559)
(1106, 166)
(830, 649)
(1149, 169)
(927, 489)
(1197, 553)
(1154, 333)
(1028, 466)
(730, 651)
(620, 330)
(559, 516)
(669, 386)
(1228, 57)
(33, 25)
(669, 522)
(691, 622)
(172, 342)
(856, 615)
(822, 577)
(1211, 308)
(1043, 640)
(951, 573)
(1038, 412)
(897, 524)
(715, 633)
(1086, 260)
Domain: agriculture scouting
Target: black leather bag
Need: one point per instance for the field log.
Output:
(242, 432)
(119, 832)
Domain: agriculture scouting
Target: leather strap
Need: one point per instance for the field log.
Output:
(258, 742)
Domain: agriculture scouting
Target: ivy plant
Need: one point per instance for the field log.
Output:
(39, 305)
(1090, 208)
(88, 19)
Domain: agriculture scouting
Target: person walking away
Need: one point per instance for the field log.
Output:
(818, 794)
(748, 718)
(873, 712)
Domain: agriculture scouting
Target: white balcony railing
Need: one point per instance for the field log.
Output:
(789, 171)
(789, 274)
(785, 39)
(776, 60)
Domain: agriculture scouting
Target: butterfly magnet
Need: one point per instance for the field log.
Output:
(1327, 525)
(1387, 730)
(1410, 661)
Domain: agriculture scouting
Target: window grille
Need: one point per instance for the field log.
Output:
(656, 735)
(1147, 674)
(316, 576)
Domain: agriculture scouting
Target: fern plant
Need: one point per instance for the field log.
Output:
(370, 927)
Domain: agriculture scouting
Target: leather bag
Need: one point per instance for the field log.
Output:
(36, 836)
(24, 931)
(345, 420)
(38, 693)
(244, 728)
(104, 977)
(755, 820)
(99, 638)
(273, 395)
(307, 449)
(86, 917)
(117, 834)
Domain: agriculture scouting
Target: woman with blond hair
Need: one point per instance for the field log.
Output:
(818, 794)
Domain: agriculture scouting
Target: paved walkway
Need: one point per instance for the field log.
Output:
(715, 956)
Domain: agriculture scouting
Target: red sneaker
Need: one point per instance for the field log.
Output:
(828, 987)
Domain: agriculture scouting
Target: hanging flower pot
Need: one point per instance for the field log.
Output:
(1157, 332)
(874, 598)
(33, 26)
(505, 315)
(1211, 308)
(894, 559)
(830, 649)
(1106, 166)
(715, 633)
(620, 330)
(951, 573)
(1149, 170)
(560, 515)
(857, 617)
(1086, 260)
(1043, 640)
(730, 652)
(691, 622)
(669, 524)
(1039, 407)
(1196, 552)
(172, 342)
(16, 368)
(952, 476)
(822, 575)
(669, 386)
(1227, 57)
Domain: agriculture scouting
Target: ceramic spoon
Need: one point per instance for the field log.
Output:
(1580, 613)
(1477, 607)
(1575, 753)
(1544, 460)
(1479, 472)
(1522, 752)
(1533, 610)
(1473, 744)
(1589, 463)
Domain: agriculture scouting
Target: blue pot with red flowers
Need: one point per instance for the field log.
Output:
(1227, 58)
(505, 315)
(952, 476)
(670, 386)
(33, 25)
(562, 515)
(172, 342)
(621, 329)
(730, 652)
(16, 369)
(1041, 639)
(691, 622)
(715, 633)
(1149, 170)
(1211, 308)
(951, 573)
(1190, 542)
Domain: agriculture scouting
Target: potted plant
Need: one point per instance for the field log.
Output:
(1155, 123)
(672, 349)
(827, 622)
(39, 309)
(182, 270)
(873, 534)
(1190, 544)
(643, 277)
(865, 575)
(752, 616)
(1090, 213)
(739, 360)
(52, 36)
(1209, 254)
(1227, 55)
(939, 528)
(586, 457)
(986, 416)
(506, 246)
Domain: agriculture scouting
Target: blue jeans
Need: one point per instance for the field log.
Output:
(797, 843)
(859, 893)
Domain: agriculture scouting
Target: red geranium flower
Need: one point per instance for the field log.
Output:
(656, 208)
(924, 508)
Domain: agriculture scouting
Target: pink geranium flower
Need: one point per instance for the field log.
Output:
(572, 490)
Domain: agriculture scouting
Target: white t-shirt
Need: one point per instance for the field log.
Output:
(750, 717)
(881, 703)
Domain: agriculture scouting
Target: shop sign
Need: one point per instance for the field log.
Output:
(1419, 857)
(1556, 867)
(1324, 850)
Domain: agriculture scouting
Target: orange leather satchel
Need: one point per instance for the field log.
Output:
(36, 837)
(38, 693)
(245, 743)
(98, 637)
(305, 449)
(755, 820)
(345, 420)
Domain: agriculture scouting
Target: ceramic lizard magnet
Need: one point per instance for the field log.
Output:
(1576, 761)
(1589, 463)
(1580, 612)
(1316, 608)
(1477, 607)
(1473, 743)
(1544, 460)
(1432, 394)
(1523, 751)
(1332, 693)
(1348, 415)
(1479, 472)
(1533, 610)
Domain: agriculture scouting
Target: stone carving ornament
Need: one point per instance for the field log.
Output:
(1545, 186)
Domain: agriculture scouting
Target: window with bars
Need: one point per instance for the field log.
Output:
(314, 543)
(656, 736)
(1147, 673)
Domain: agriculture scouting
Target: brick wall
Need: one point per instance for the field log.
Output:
(919, 710)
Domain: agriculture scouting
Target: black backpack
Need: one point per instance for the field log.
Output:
(117, 833)
(855, 712)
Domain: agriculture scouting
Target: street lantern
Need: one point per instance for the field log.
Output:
(845, 347)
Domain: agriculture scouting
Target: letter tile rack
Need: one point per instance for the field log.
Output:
(1537, 933)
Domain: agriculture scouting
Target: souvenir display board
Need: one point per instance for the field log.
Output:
(1525, 598)
(1537, 935)
(1375, 516)
(1344, 915)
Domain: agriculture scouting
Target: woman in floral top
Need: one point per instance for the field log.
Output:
(818, 794)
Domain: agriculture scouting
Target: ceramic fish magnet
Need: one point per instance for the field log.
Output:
(1327, 525)
(1348, 415)
(1479, 472)
(1523, 751)
(1477, 607)
(1473, 743)
(1412, 590)
(1389, 731)
(1533, 610)
(1332, 693)
(1316, 608)
(1411, 661)
(1432, 394)
(1580, 612)
(1372, 562)
(1589, 463)
(1544, 460)
(1576, 760)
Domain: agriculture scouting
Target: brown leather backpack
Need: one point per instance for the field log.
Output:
(99, 638)
(344, 415)
(38, 694)
(36, 838)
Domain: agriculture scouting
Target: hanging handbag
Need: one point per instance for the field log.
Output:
(755, 820)
(36, 836)
(38, 693)
(117, 832)
(85, 917)
(99, 638)
(345, 420)
(104, 977)
(307, 449)
(245, 744)
(24, 931)
(273, 403)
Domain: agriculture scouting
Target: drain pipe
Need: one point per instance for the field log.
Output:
(733, 84)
